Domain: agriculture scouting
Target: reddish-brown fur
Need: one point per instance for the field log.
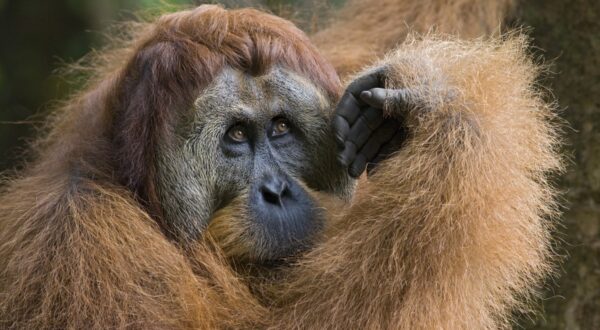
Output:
(452, 232)
(365, 30)
(180, 55)
(68, 231)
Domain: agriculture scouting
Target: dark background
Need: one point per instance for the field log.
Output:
(37, 37)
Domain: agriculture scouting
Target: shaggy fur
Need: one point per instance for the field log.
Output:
(85, 255)
(468, 234)
(450, 232)
(368, 29)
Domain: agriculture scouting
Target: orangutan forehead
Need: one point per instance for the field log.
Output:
(234, 90)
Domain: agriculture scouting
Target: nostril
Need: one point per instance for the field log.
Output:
(271, 197)
(273, 191)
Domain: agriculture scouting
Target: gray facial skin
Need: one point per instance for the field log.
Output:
(202, 170)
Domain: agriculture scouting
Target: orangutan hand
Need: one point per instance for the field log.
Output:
(363, 134)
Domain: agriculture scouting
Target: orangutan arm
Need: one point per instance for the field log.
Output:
(363, 30)
(89, 258)
(451, 231)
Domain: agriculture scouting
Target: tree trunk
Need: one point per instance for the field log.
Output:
(568, 32)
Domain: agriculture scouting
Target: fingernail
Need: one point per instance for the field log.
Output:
(366, 95)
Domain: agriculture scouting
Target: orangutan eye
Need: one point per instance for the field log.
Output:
(237, 133)
(280, 126)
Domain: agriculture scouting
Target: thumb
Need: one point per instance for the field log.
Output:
(378, 97)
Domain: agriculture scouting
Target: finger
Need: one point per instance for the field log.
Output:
(341, 129)
(348, 108)
(387, 149)
(378, 97)
(347, 155)
(358, 166)
(365, 125)
(382, 136)
(375, 79)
